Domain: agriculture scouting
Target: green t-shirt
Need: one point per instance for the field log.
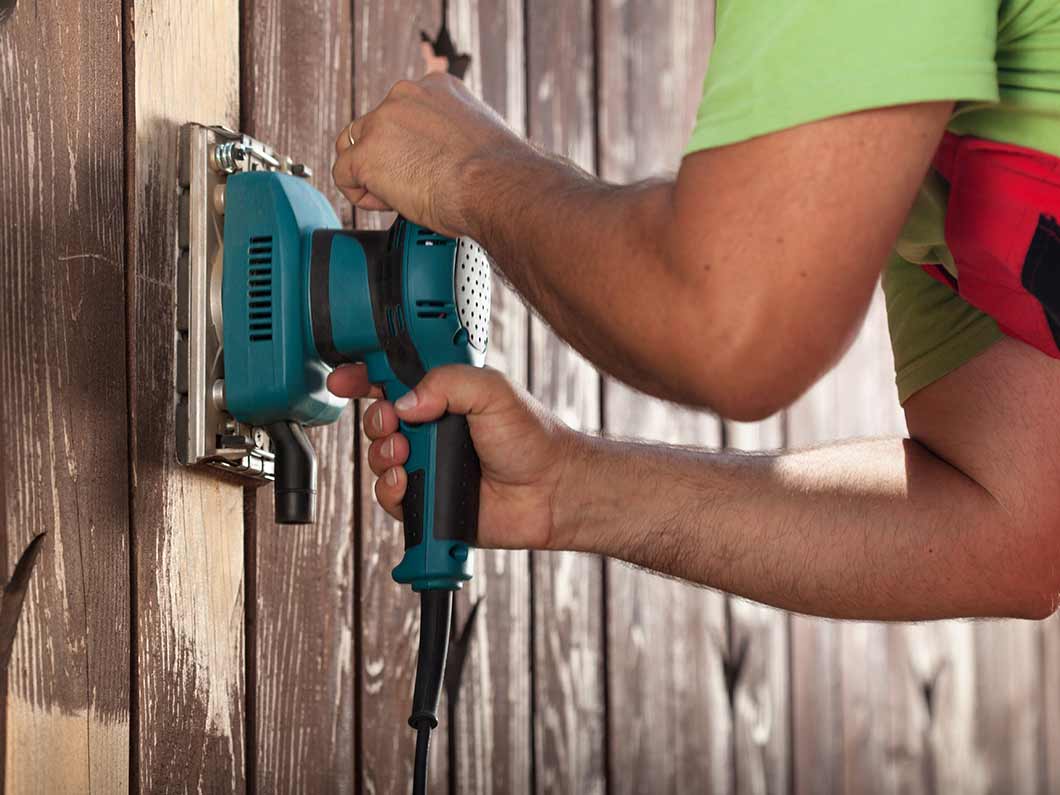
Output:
(780, 63)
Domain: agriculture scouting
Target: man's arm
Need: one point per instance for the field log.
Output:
(734, 286)
(961, 520)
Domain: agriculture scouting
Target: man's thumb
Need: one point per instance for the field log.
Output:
(454, 388)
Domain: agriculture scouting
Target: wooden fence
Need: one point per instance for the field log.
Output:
(174, 638)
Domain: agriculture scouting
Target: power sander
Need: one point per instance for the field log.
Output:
(274, 295)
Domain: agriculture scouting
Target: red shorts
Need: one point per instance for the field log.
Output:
(1002, 231)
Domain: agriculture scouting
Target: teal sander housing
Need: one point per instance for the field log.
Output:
(299, 296)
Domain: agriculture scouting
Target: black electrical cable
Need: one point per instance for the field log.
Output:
(419, 769)
(436, 613)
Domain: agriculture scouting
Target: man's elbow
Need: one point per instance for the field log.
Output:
(1033, 583)
(749, 387)
(754, 365)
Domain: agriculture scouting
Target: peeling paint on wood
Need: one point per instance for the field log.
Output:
(569, 708)
(62, 394)
(188, 524)
(298, 94)
(491, 733)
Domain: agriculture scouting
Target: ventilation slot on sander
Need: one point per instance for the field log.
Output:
(259, 288)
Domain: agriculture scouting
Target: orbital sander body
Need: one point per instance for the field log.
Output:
(272, 295)
(300, 296)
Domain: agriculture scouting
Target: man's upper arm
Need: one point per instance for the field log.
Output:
(817, 124)
(801, 222)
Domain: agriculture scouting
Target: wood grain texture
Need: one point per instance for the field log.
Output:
(670, 725)
(877, 707)
(759, 673)
(569, 719)
(1050, 745)
(670, 721)
(183, 65)
(387, 49)
(297, 95)
(491, 733)
(62, 396)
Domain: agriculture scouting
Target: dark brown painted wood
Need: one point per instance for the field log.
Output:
(569, 719)
(297, 95)
(387, 49)
(182, 65)
(491, 733)
(62, 395)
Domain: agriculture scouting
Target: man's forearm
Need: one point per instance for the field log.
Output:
(588, 256)
(870, 530)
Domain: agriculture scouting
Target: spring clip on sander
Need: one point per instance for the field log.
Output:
(273, 295)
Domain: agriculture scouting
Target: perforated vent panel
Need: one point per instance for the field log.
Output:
(472, 290)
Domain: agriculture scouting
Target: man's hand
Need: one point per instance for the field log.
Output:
(959, 521)
(414, 152)
(524, 451)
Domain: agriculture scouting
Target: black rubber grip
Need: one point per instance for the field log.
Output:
(412, 508)
(457, 476)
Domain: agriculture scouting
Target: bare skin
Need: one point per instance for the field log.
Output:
(959, 521)
(732, 287)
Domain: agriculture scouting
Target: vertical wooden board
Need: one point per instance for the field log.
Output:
(62, 396)
(1009, 701)
(760, 688)
(387, 49)
(670, 724)
(1050, 656)
(670, 727)
(569, 709)
(297, 95)
(491, 734)
(182, 57)
(876, 707)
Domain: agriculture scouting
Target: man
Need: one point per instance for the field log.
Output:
(738, 284)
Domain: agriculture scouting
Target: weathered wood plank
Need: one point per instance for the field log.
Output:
(844, 731)
(670, 726)
(760, 687)
(569, 719)
(670, 722)
(1051, 704)
(491, 734)
(183, 62)
(387, 49)
(62, 396)
(297, 94)
(877, 707)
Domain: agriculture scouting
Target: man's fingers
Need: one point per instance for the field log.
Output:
(389, 490)
(351, 380)
(352, 130)
(390, 451)
(456, 388)
(372, 203)
(348, 165)
(380, 420)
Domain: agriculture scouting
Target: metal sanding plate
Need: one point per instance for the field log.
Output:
(206, 432)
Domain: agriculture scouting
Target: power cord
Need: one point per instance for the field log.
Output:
(436, 613)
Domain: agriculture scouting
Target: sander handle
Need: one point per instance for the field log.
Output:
(441, 500)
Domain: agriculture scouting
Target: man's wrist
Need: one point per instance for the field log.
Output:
(579, 504)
